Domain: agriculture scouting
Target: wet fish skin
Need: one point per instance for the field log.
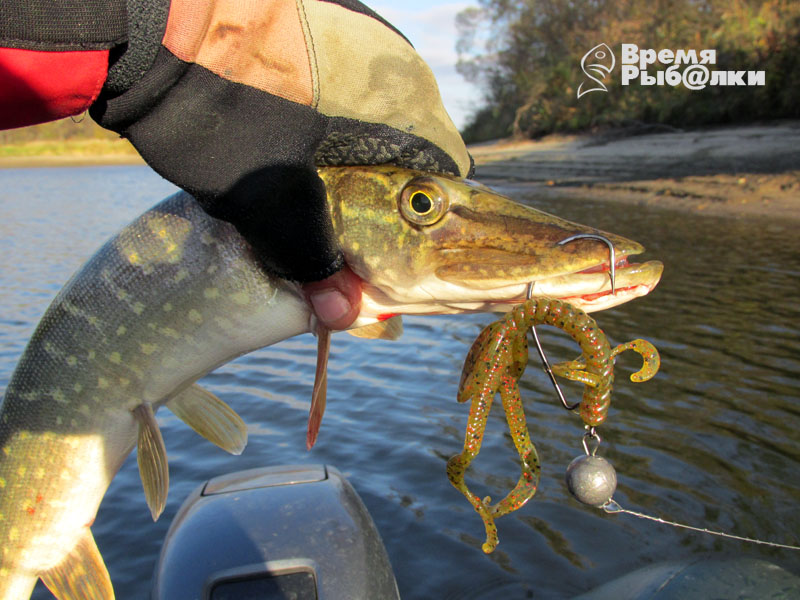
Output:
(176, 294)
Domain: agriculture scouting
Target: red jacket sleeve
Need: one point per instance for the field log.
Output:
(38, 86)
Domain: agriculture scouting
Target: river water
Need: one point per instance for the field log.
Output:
(712, 441)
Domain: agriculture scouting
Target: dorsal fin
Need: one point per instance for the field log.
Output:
(152, 459)
(210, 417)
(390, 329)
(82, 574)
(320, 394)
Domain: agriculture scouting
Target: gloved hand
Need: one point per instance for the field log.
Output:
(237, 102)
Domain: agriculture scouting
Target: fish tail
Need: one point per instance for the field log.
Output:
(81, 575)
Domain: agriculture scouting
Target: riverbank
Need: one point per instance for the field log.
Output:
(68, 153)
(727, 170)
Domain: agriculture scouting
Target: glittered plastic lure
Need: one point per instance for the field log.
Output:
(495, 363)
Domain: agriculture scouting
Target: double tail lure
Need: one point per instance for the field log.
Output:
(494, 365)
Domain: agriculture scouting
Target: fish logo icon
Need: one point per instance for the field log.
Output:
(596, 63)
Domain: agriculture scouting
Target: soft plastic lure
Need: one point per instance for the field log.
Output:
(495, 363)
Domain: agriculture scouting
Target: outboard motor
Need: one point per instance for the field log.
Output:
(299, 532)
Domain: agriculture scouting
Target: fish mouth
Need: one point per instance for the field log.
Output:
(576, 269)
(589, 289)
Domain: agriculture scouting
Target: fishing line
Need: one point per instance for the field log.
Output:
(592, 480)
(613, 507)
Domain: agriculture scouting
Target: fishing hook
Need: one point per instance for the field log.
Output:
(612, 256)
(545, 362)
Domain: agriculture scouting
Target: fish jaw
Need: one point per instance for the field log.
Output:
(590, 293)
(474, 251)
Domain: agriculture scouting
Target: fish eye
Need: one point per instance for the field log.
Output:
(423, 202)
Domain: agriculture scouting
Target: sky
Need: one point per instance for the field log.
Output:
(430, 27)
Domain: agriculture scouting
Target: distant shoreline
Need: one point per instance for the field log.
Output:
(734, 170)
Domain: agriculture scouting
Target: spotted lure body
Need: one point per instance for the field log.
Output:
(176, 294)
(495, 364)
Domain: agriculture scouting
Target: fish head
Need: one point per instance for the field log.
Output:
(434, 244)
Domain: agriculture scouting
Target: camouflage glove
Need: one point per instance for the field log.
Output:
(238, 102)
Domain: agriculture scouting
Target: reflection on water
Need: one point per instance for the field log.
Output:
(711, 441)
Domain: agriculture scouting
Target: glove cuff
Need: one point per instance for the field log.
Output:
(45, 25)
(147, 21)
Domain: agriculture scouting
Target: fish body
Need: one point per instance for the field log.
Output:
(177, 293)
(174, 294)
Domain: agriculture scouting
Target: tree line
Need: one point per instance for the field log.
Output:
(526, 55)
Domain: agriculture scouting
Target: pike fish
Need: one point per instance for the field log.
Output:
(177, 293)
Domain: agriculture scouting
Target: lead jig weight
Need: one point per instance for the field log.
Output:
(591, 479)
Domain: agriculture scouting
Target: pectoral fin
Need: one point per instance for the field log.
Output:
(390, 329)
(210, 417)
(319, 395)
(82, 574)
(152, 459)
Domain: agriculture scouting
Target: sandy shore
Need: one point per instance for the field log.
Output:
(727, 170)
